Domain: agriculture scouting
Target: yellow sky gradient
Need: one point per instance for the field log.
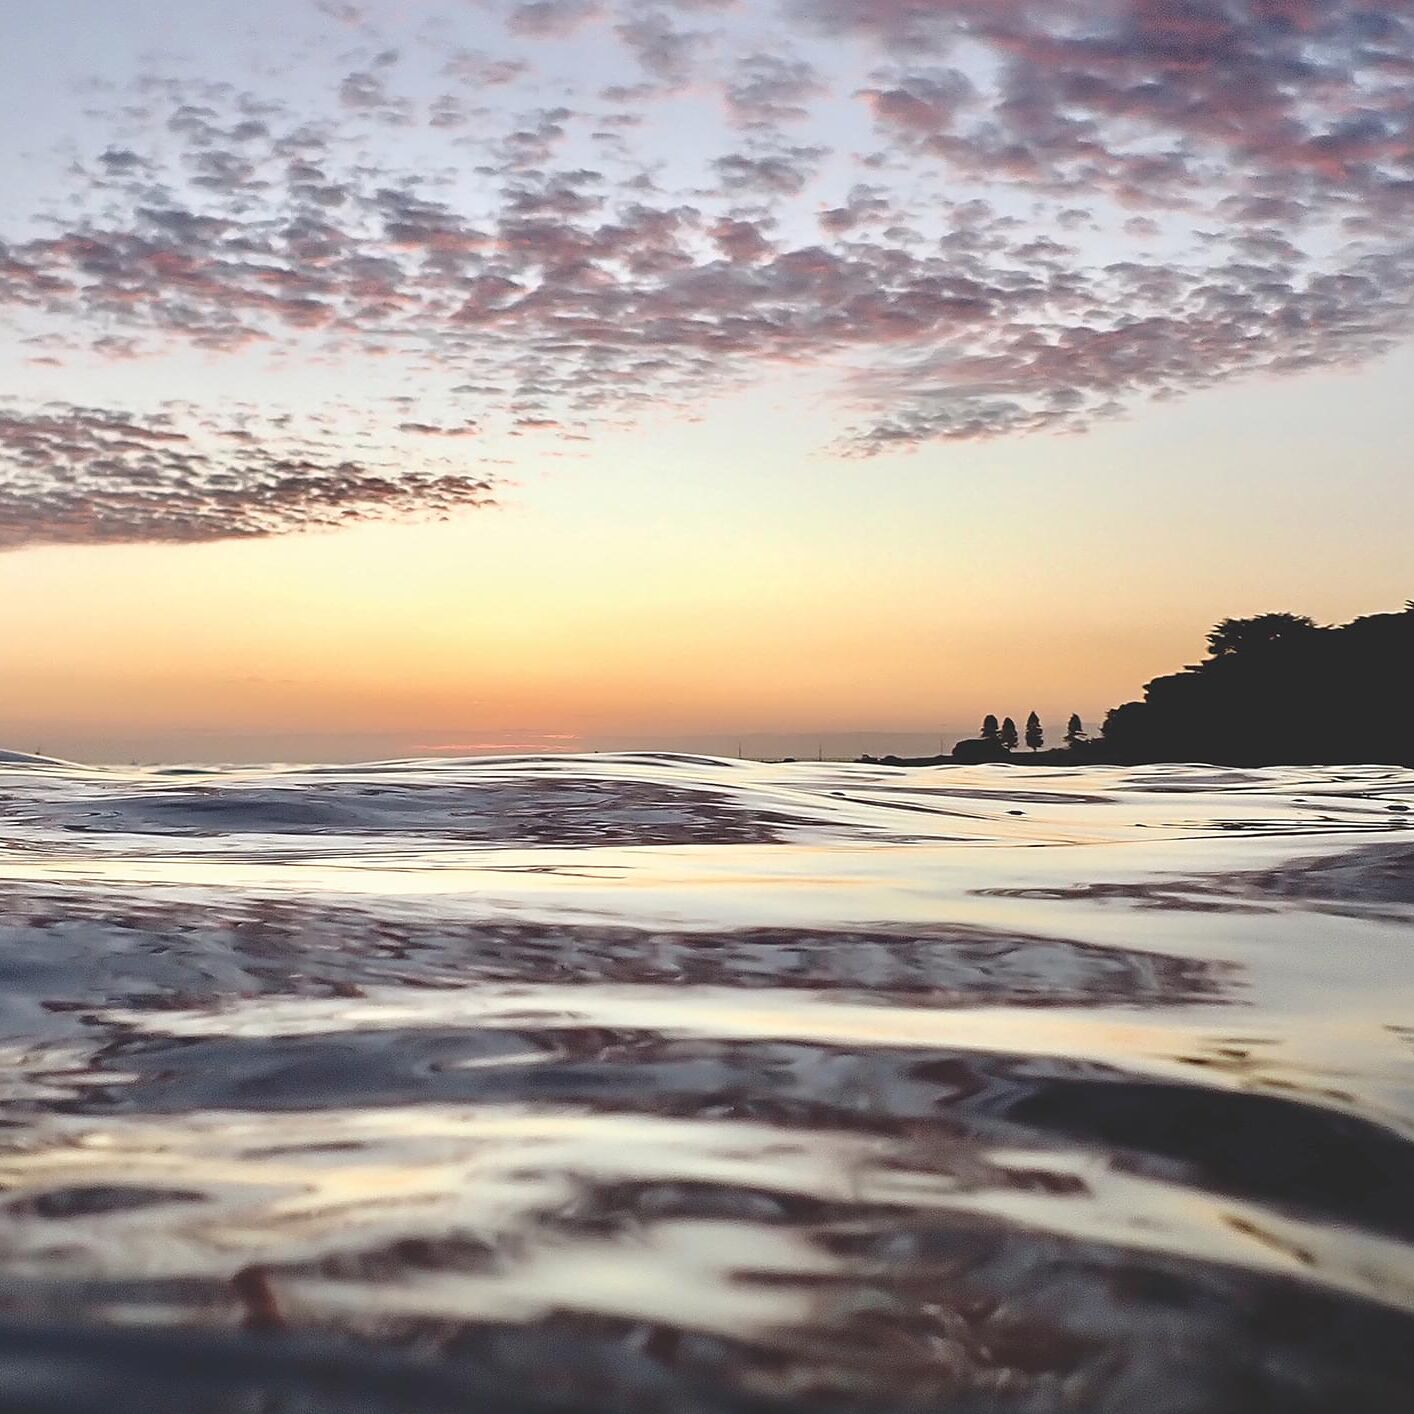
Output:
(268, 268)
(788, 592)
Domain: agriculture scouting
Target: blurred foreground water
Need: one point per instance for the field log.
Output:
(669, 1083)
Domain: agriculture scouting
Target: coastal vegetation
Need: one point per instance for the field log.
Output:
(1274, 689)
(1280, 689)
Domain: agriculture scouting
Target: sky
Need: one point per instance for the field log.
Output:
(385, 377)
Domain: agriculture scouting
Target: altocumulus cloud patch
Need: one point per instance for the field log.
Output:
(984, 219)
(76, 475)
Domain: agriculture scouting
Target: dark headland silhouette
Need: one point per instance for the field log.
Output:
(1274, 690)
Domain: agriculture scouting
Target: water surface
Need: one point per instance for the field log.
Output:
(669, 1082)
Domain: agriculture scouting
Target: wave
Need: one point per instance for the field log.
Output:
(674, 1082)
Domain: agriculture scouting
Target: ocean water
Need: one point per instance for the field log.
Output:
(659, 1082)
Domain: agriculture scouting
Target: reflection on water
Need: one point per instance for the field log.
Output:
(675, 1083)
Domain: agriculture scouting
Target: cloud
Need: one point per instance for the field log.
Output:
(1166, 332)
(81, 475)
(365, 92)
(742, 240)
(427, 429)
(1299, 90)
(551, 19)
(665, 52)
(766, 90)
(482, 71)
(1056, 211)
(784, 173)
(863, 205)
(342, 11)
(925, 101)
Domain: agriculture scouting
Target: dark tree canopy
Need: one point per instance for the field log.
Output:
(1278, 689)
(1234, 636)
(1275, 689)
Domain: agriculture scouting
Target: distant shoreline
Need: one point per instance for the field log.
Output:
(1064, 758)
(1276, 689)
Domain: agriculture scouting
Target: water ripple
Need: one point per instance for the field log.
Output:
(673, 1083)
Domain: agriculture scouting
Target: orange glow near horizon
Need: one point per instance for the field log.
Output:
(827, 600)
(392, 378)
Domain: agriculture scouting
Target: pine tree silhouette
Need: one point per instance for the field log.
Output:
(1035, 737)
(1075, 730)
(990, 730)
(1008, 735)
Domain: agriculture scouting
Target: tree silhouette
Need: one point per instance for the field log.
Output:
(1008, 736)
(1277, 690)
(1234, 636)
(990, 730)
(1035, 737)
(1074, 730)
